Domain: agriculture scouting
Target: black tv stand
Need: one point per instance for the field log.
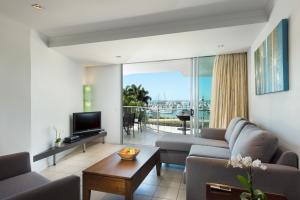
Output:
(86, 135)
(65, 146)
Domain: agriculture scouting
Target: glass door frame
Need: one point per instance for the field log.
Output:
(196, 69)
(194, 99)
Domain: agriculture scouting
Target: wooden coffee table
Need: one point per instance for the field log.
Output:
(122, 177)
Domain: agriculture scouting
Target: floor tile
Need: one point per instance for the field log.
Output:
(167, 183)
(170, 172)
(164, 178)
(97, 195)
(141, 197)
(152, 180)
(181, 195)
(182, 186)
(166, 193)
(146, 190)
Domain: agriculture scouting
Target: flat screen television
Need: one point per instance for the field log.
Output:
(86, 123)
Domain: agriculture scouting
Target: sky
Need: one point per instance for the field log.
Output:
(168, 85)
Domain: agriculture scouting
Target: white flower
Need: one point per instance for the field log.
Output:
(236, 161)
(256, 163)
(236, 164)
(263, 167)
(239, 158)
(247, 161)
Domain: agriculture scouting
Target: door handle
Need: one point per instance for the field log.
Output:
(192, 112)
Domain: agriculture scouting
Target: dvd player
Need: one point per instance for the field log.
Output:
(71, 139)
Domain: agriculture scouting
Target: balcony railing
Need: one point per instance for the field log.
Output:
(164, 119)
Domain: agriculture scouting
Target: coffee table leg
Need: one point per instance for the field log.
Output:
(129, 196)
(129, 191)
(158, 167)
(86, 193)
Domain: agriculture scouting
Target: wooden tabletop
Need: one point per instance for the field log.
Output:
(114, 166)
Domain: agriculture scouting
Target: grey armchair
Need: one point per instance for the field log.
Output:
(18, 182)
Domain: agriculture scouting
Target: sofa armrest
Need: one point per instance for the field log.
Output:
(67, 188)
(14, 165)
(278, 179)
(213, 133)
(288, 158)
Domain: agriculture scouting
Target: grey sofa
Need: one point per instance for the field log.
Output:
(174, 148)
(18, 182)
(206, 156)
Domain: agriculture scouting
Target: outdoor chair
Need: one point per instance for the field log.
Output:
(139, 120)
(128, 122)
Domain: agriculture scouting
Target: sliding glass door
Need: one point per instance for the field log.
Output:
(166, 97)
(156, 100)
(201, 84)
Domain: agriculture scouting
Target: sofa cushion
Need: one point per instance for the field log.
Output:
(284, 156)
(209, 151)
(20, 184)
(255, 142)
(230, 127)
(236, 132)
(288, 158)
(178, 142)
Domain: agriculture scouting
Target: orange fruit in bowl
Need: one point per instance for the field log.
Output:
(128, 153)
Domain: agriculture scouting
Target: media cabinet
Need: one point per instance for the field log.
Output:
(65, 146)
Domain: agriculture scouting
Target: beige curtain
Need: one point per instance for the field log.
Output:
(229, 89)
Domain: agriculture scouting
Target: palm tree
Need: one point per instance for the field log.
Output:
(135, 96)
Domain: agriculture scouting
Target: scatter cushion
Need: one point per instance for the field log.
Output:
(230, 128)
(255, 142)
(236, 132)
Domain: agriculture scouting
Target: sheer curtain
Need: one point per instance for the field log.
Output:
(229, 89)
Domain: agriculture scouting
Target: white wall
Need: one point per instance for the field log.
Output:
(106, 82)
(56, 92)
(14, 87)
(39, 88)
(280, 112)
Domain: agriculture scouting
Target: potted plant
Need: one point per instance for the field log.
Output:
(247, 181)
(58, 140)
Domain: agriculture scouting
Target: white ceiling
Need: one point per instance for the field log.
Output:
(94, 32)
(65, 17)
(164, 47)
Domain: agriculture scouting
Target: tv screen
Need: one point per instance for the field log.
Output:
(86, 122)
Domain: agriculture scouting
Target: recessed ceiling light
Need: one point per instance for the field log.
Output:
(37, 6)
(118, 56)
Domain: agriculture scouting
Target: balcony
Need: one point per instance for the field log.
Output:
(143, 125)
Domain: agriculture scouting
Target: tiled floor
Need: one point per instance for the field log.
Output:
(169, 186)
(148, 136)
